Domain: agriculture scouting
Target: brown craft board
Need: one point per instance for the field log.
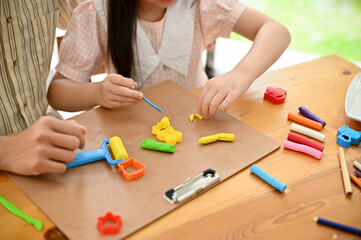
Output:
(74, 200)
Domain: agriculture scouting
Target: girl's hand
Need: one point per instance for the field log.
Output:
(45, 147)
(117, 91)
(225, 88)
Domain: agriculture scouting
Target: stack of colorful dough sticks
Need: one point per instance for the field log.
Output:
(301, 144)
(311, 121)
(299, 139)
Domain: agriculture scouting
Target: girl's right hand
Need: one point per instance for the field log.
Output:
(117, 91)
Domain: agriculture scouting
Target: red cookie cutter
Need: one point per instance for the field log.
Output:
(140, 168)
(275, 95)
(109, 229)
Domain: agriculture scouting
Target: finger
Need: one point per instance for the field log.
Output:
(122, 81)
(64, 141)
(83, 129)
(126, 92)
(69, 127)
(230, 98)
(132, 82)
(44, 165)
(207, 101)
(216, 101)
(116, 104)
(122, 98)
(50, 166)
(200, 98)
(60, 154)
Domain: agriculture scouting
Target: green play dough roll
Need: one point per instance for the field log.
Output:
(157, 146)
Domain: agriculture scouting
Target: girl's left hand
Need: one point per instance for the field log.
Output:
(225, 88)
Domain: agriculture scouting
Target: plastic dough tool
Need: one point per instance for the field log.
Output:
(9, 206)
(152, 104)
(117, 147)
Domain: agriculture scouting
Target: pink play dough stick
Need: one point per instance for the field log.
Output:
(303, 148)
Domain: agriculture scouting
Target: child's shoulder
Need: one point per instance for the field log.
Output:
(84, 10)
(88, 5)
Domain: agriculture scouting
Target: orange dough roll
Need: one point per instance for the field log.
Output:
(356, 180)
(305, 121)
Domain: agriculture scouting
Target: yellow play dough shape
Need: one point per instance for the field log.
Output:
(166, 133)
(199, 116)
(191, 117)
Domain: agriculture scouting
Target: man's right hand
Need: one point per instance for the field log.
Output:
(45, 147)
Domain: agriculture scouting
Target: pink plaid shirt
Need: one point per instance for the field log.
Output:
(84, 47)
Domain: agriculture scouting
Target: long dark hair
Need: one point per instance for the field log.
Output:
(122, 25)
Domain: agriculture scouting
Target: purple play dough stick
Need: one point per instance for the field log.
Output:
(310, 115)
(358, 173)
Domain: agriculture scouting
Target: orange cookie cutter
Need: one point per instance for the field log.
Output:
(140, 168)
(166, 133)
(109, 229)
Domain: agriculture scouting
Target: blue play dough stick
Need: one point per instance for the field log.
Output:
(153, 105)
(339, 226)
(268, 178)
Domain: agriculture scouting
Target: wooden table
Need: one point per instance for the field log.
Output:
(244, 206)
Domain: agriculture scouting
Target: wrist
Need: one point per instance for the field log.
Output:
(96, 94)
(243, 74)
(5, 142)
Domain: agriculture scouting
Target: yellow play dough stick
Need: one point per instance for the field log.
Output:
(217, 137)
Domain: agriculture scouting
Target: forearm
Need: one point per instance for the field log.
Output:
(269, 37)
(68, 95)
(3, 152)
(269, 43)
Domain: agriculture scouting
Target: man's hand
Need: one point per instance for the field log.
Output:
(45, 147)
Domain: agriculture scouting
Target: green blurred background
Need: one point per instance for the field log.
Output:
(317, 26)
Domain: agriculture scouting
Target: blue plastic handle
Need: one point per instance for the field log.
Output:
(87, 157)
(107, 155)
(93, 156)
